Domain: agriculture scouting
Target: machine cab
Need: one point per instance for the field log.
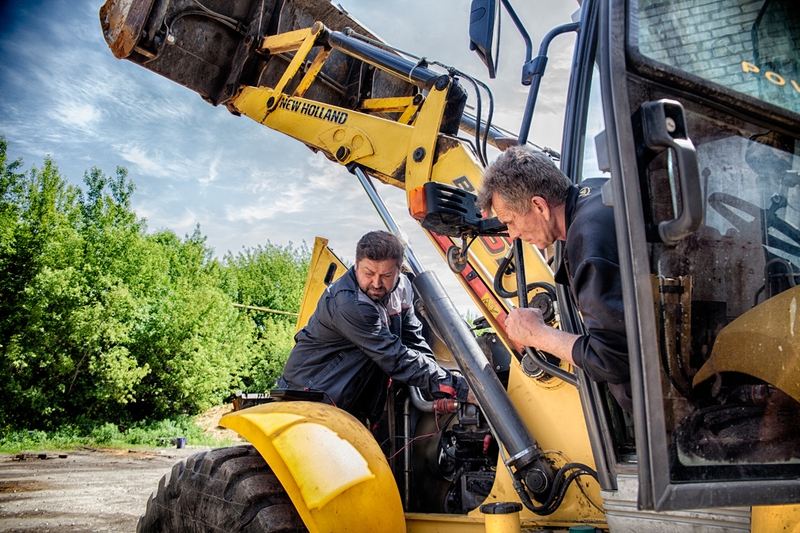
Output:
(695, 117)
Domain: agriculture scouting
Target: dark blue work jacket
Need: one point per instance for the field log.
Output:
(590, 265)
(352, 345)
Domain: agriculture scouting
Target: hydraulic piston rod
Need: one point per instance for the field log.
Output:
(525, 455)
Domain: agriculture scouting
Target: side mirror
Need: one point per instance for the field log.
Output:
(483, 15)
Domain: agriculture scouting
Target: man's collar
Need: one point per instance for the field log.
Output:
(569, 206)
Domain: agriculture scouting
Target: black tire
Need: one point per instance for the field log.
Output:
(226, 489)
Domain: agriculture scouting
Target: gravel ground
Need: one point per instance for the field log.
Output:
(83, 491)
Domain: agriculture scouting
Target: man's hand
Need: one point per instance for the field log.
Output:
(524, 326)
(471, 398)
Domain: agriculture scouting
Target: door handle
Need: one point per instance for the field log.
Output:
(664, 128)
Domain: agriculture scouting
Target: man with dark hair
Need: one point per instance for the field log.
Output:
(540, 205)
(363, 332)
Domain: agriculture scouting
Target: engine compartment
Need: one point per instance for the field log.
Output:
(443, 462)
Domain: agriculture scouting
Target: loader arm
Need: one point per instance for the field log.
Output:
(386, 150)
(404, 155)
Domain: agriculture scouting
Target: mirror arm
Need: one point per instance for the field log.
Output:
(536, 68)
(521, 29)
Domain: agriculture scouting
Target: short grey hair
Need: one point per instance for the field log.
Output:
(380, 246)
(518, 175)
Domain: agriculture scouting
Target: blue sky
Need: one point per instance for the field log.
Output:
(64, 95)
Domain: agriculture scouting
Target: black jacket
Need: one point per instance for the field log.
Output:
(590, 265)
(353, 345)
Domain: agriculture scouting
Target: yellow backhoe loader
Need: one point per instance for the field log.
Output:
(692, 108)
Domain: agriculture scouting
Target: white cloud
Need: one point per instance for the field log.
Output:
(289, 199)
(212, 172)
(152, 163)
(137, 156)
(179, 222)
(81, 116)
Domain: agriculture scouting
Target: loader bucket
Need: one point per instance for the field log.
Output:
(213, 46)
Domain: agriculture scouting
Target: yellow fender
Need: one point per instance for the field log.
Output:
(329, 464)
(764, 342)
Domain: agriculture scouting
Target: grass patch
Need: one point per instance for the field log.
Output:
(149, 434)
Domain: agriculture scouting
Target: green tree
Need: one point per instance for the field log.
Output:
(101, 321)
(271, 277)
(69, 295)
(193, 338)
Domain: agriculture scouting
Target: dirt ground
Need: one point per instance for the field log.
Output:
(86, 490)
(80, 491)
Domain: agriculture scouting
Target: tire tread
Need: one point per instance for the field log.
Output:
(225, 489)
